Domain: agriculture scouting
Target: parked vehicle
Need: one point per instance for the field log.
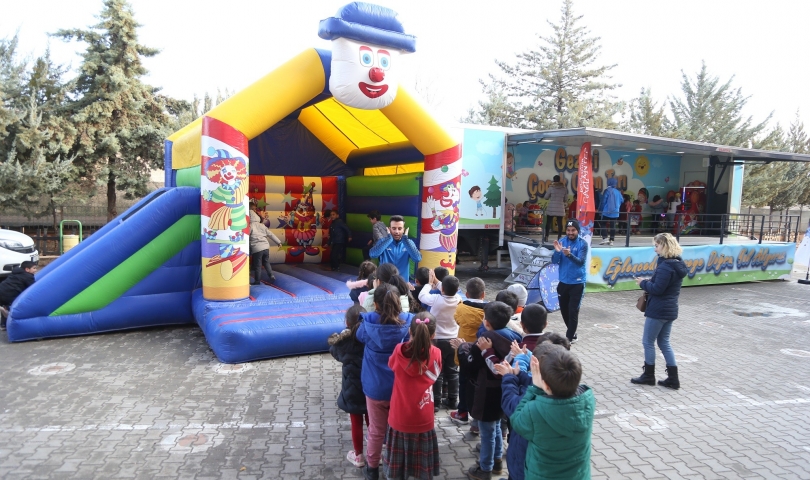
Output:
(15, 248)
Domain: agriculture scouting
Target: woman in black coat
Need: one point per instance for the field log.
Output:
(663, 289)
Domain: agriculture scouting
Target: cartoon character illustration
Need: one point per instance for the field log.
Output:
(476, 195)
(465, 173)
(446, 217)
(620, 161)
(511, 174)
(642, 166)
(304, 222)
(643, 195)
(510, 217)
(610, 173)
(229, 174)
(366, 42)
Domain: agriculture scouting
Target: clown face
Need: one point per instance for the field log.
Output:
(228, 173)
(362, 74)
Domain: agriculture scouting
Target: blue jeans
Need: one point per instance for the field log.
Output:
(655, 329)
(491, 444)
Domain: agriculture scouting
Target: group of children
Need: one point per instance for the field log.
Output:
(405, 352)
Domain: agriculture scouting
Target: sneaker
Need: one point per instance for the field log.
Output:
(355, 459)
(604, 242)
(459, 418)
(371, 473)
(474, 429)
(477, 449)
(475, 473)
(574, 340)
(610, 243)
(497, 465)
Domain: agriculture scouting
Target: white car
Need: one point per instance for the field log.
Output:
(15, 248)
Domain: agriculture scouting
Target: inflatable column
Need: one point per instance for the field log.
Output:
(440, 198)
(224, 212)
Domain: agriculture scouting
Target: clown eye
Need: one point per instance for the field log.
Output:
(366, 57)
(384, 59)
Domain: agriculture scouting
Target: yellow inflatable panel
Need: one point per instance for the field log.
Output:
(395, 169)
(425, 133)
(257, 107)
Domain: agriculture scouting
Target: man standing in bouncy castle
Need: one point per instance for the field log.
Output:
(571, 254)
(397, 248)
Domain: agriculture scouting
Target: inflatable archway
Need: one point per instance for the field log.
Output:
(326, 130)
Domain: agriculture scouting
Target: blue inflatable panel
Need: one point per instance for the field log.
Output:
(161, 298)
(294, 315)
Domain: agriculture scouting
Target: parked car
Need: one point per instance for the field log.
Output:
(15, 248)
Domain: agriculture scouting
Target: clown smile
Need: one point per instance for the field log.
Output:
(373, 91)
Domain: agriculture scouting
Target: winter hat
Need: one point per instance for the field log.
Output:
(573, 223)
(520, 291)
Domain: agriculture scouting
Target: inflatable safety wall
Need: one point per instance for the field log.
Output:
(294, 209)
(389, 195)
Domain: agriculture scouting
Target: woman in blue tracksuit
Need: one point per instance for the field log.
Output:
(663, 289)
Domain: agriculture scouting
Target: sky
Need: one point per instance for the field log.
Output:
(210, 44)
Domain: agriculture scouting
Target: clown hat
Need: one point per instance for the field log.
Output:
(366, 22)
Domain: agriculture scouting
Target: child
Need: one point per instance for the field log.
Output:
(361, 284)
(481, 357)
(560, 448)
(260, 237)
(624, 210)
(21, 278)
(635, 217)
(512, 330)
(521, 294)
(421, 278)
(381, 331)
(411, 446)
(339, 236)
(387, 273)
(370, 282)
(348, 351)
(469, 316)
(516, 380)
(533, 320)
(443, 306)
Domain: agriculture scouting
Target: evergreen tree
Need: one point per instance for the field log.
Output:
(493, 196)
(797, 140)
(647, 117)
(558, 85)
(496, 110)
(121, 121)
(712, 112)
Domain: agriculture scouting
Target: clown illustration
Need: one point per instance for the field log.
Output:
(445, 217)
(229, 174)
(366, 42)
(303, 222)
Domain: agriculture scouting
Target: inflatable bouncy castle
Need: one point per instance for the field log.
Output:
(328, 130)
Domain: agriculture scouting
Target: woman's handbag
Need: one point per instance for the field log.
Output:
(641, 303)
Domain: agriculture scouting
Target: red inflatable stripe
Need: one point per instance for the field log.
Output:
(438, 160)
(225, 133)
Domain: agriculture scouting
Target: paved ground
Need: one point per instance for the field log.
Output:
(157, 404)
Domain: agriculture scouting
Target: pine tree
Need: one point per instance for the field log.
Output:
(797, 140)
(558, 85)
(496, 110)
(493, 196)
(647, 117)
(121, 121)
(712, 112)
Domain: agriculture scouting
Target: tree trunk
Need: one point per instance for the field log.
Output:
(112, 212)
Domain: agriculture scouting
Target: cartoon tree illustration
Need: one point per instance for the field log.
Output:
(493, 196)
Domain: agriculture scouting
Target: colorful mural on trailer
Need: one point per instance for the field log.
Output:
(481, 177)
(614, 268)
(530, 168)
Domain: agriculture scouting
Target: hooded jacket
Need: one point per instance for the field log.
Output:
(14, 285)
(469, 316)
(558, 431)
(556, 195)
(259, 234)
(611, 200)
(514, 387)
(380, 341)
(412, 398)
(572, 268)
(349, 352)
(338, 232)
(664, 287)
(487, 399)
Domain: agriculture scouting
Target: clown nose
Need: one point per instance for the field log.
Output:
(376, 74)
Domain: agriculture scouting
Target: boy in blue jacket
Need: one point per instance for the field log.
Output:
(571, 254)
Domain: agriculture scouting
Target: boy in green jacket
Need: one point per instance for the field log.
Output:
(556, 417)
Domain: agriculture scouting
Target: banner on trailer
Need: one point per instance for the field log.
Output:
(614, 268)
(224, 213)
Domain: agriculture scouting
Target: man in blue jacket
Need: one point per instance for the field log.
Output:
(397, 248)
(571, 254)
(611, 203)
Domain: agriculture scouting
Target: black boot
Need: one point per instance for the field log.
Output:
(371, 473)
(646, 378)
(672, 379)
